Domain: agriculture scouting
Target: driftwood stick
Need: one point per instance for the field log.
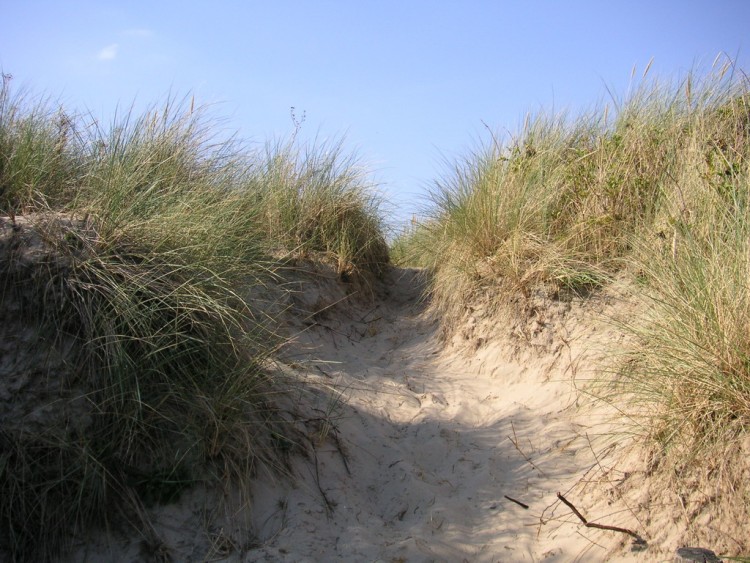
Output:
(594, 525)
(518, 502)
(573, 508)
(614, 529)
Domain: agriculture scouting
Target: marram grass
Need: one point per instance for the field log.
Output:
(560, 203)
(142, 258)
(320, 200)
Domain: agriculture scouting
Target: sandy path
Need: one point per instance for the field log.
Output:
(421, 453)
(414, 446)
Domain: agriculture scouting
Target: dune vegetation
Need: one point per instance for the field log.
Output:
(141, 264)
(138, 267)
(654, 189)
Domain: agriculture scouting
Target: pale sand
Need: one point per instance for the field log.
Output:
(428, 432)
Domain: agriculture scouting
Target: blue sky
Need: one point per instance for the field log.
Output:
(409, 83)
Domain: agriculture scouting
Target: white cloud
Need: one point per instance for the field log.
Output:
(108, 53)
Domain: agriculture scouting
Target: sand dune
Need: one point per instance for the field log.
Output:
(421, 449)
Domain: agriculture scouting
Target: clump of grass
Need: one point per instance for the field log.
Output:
(139, 255)
(318, 200)
(688, 374)
(495, 225)
(160, 369)
(138, 261)
(684, 380)
(558, 206)
(39, 147)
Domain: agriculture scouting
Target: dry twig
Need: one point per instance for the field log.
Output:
(595, 525)
(518, 502)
